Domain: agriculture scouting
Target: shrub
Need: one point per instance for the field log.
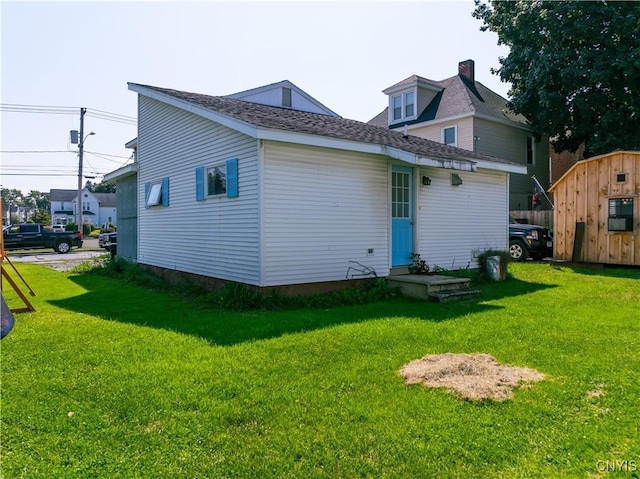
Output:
(239, 296)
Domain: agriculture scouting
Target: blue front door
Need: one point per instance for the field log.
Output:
(401, 216)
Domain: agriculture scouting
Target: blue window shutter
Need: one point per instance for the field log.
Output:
(200, 183)
(232, 178)
(147, 187)
(165, 191)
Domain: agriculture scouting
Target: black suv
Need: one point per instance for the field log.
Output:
(529, 241)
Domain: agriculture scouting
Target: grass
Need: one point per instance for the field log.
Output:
(113, 380)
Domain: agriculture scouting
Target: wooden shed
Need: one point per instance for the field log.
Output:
(597, 210)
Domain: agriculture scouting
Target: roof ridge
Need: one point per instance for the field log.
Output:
(303, 122)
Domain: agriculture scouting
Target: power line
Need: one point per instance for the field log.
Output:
(67, 110)
(37, 151)
(63, 151)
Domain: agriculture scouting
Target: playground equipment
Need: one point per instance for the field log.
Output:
(7, 319)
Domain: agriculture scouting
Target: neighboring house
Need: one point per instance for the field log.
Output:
(97, 208)
(462, 112)
(562, 161)
(13, 213)
(275, 196)
(597, 210)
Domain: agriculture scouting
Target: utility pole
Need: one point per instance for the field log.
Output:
(80, 148)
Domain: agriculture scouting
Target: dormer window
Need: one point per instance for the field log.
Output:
(403, 106)
(409, 104)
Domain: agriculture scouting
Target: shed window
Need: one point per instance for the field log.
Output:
(621, 214)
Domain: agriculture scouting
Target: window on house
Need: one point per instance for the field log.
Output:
(621, 214)
(409, 104)
(286, 97)
(403, 106)
(86, 206)
(530, 151)
(449, 135)
(217, 180)
(397, 107)
(62, 205)
(157, 193)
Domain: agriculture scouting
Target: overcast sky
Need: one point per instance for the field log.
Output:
(82, 54)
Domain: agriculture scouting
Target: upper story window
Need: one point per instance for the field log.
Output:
(403, 106)
(450, 135)
(531, 156)
(286, 97)
(409, 104)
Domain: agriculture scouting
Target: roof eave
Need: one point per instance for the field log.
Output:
(121, 173)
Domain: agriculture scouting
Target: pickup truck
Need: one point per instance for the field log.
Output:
(529, 241)
(34, 236)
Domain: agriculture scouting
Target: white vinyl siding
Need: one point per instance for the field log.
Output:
(323, 208)
(455, 223)
(217, 237)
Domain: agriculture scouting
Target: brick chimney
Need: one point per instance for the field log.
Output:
(467, 69)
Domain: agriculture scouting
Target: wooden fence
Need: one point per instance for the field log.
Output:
(542, 217)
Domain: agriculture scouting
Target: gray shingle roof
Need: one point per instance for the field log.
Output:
(284, 119)
(62, 195)
(105, 199)
(459, 95)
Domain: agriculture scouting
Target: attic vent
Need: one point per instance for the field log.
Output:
(286, 97)
(621, 177)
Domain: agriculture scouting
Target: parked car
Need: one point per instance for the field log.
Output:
(58, 228)
(529, 241)
(108, 241)
(36, 236)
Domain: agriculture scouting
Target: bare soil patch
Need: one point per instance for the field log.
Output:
(472, 376)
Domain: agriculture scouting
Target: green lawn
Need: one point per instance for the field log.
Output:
(110, 380)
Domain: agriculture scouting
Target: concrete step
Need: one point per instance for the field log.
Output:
(453, 295)
(425, 286)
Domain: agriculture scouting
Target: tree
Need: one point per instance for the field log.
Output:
(41, 216)
(38, 200)
(102, 187)
(13, 197)
(574, 67)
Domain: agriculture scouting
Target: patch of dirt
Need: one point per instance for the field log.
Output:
(472, 376)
